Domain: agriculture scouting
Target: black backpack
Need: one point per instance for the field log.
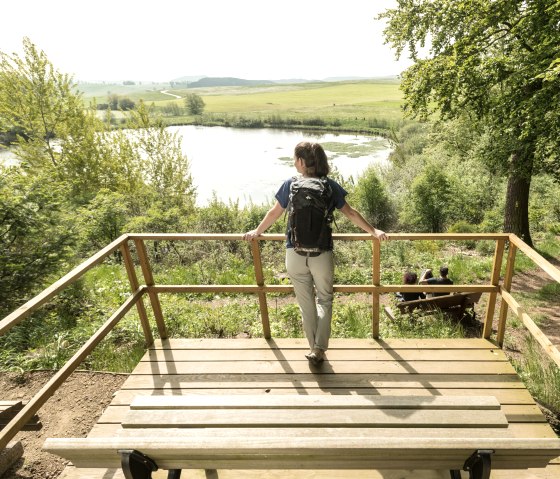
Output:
(310, 215)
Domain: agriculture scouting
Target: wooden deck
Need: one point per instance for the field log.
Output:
(430, 367)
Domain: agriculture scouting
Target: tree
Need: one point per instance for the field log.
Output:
(429, 200)
(36, 234)
(496, 61)
(373, 200)
(194, 104)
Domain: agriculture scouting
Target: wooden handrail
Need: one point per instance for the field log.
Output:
(35, 303)
(261, 289)
(31, 408)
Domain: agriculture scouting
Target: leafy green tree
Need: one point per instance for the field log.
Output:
(165, 169)
(40, 103)
(373, 200)
(497, 61)
(36, 235)
(194, 104)
(430, 200)
(102, 220)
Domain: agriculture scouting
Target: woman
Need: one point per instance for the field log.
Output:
(410, 277)
(312, 276)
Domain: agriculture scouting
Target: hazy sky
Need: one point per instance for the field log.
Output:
(167, 39)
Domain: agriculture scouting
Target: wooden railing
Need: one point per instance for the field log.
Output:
(496, 286)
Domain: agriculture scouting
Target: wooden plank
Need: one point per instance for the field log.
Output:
(523, 413)
(550, 472)
(531, 430)
(328, 367)
(290, 432)
(515, 414)
(9, 408)
(304, 452)
(264, 401)
(519, 430)
(334, 343)
(90, 473)
(222, 354)
(315, 418)
(268, 381)
(504, 396)
(539, 260)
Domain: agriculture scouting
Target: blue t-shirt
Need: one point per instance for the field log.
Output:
(283, 197)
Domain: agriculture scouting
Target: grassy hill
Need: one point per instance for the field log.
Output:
(346, 105)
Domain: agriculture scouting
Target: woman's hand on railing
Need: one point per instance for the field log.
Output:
(250, 235)
(380, 235)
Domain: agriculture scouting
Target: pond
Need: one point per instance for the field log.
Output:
(248, 165)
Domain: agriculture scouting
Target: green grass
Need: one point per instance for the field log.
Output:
(540, 374)
(368, 105)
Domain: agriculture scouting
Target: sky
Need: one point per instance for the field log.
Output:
(116, 40)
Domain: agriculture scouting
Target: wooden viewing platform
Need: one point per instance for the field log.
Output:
(400, 367)
(423, 405)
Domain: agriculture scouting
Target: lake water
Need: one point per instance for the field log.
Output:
(248, 165)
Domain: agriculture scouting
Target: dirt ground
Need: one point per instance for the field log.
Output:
(71, 412)
(76, 406)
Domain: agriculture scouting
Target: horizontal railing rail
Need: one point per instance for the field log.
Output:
(497, 286)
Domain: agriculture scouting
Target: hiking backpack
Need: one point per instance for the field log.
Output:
(310, 215)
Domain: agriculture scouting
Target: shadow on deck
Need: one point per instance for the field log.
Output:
(399, 367)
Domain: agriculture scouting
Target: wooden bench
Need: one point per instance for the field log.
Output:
(309, 432)
(454, 304)
(8, 409)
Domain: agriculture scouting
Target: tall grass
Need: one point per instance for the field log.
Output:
(540, 374)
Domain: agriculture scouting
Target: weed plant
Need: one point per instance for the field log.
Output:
(539, 373)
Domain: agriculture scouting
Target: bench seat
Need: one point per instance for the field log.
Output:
(310, 432)
(454, 304)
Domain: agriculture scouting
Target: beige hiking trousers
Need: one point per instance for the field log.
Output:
(312, 278)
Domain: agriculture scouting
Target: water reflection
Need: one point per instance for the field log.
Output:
(248, 165)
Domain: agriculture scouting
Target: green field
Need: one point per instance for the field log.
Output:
(346, 105)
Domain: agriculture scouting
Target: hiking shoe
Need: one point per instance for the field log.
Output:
(317, 356)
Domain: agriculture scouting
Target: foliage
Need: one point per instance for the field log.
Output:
(373, 200)
(540, 374)
(102, 220)
(194, 103)
(36, 234)
(497, 62)
(428, 208)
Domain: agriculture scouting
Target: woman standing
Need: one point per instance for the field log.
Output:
(312, 276)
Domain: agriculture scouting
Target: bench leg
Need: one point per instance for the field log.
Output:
(455, 474)
(136, 465)
(479, 464)
(174, 474)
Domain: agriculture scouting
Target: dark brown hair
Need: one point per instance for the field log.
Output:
(314, 158)
(410, 277)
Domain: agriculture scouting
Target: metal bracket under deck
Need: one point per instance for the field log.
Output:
(479, 465)
(136, 465)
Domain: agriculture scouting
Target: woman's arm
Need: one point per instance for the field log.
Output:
(269, 219)
(356, 218)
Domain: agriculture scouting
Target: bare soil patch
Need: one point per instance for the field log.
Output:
(71, 412)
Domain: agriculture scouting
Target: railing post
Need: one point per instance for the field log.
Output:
(376, 278)
(495, 280)
(133, 280)
(149, 279)
(510, 266)
(259, 276)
